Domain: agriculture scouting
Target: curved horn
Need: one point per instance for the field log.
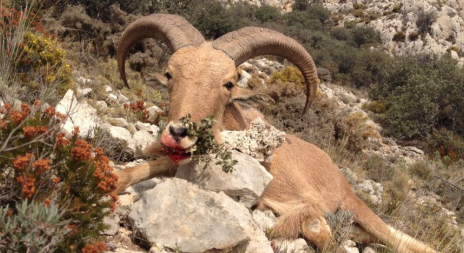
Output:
(173, 30)
(249, 42)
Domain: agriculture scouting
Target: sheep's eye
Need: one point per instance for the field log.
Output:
(168, 76)
(229, 85)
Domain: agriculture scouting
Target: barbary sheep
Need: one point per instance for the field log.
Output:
(201, 79)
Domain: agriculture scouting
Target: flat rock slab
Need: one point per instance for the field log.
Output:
(245, 183)
(179, 215)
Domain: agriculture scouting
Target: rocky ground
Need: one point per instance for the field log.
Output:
(203, 209)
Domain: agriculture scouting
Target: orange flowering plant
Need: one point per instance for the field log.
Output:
(38, 163)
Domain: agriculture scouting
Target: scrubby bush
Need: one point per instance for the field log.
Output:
(365, 35)
(421, 94)
(289, 74)
(33, 60)
(267, 13)
(39, 164)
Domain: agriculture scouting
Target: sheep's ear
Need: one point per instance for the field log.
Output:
(250, 97)
(157, 82)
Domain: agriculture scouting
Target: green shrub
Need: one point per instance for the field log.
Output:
(399, 37)
(413, 112)
(369, 67)
(38, 163)
(34, 227)
(300, 5)
(448, 144)
(319, 12)
(267, 13)
(342, 33)
(213, 19)
(365, 35)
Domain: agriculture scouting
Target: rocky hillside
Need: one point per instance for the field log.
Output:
(406, 27)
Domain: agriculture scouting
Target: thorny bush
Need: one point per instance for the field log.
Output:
(39, 163)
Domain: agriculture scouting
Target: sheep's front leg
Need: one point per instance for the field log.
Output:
(162, 167)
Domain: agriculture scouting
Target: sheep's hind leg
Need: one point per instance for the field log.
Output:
(317, 231)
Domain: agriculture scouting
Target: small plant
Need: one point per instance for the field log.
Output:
(399, 37)
(290, 74)
(413, 36)
(34, 227)
(374, 106)
(39, 164)
(339, 222)
(205, 144)
(136, 111)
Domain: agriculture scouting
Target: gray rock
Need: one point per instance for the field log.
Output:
(143, 138)
(179, 215)
(101, 106)
(112, 98)
(265, 220)
(373, 189)
(121, 133)
(112, 221)
(152, 129)
(245, 184)
(257, 141)
(244, 77)
(85, 92)
(108, 89)
(292, 246)
(122, 99)
(78, 114)
(368, 250)
(83, 80)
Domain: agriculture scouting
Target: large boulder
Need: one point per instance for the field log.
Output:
(179, 215)
(245, 183)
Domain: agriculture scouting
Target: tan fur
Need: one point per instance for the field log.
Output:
(306, 185)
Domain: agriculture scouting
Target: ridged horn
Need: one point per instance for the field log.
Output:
(174, 31)
(250, 42)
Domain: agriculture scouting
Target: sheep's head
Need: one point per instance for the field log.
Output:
(201, 76)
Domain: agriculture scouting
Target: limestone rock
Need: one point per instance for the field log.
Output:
(80, 115)
(245, 184)
(101, 106)
(121, 133)
(143, 138)
(179, 215)
(112, 221)
(373, 189)
(292, 246)
(257, 141)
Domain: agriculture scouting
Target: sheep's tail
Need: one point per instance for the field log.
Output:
(367, 219)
